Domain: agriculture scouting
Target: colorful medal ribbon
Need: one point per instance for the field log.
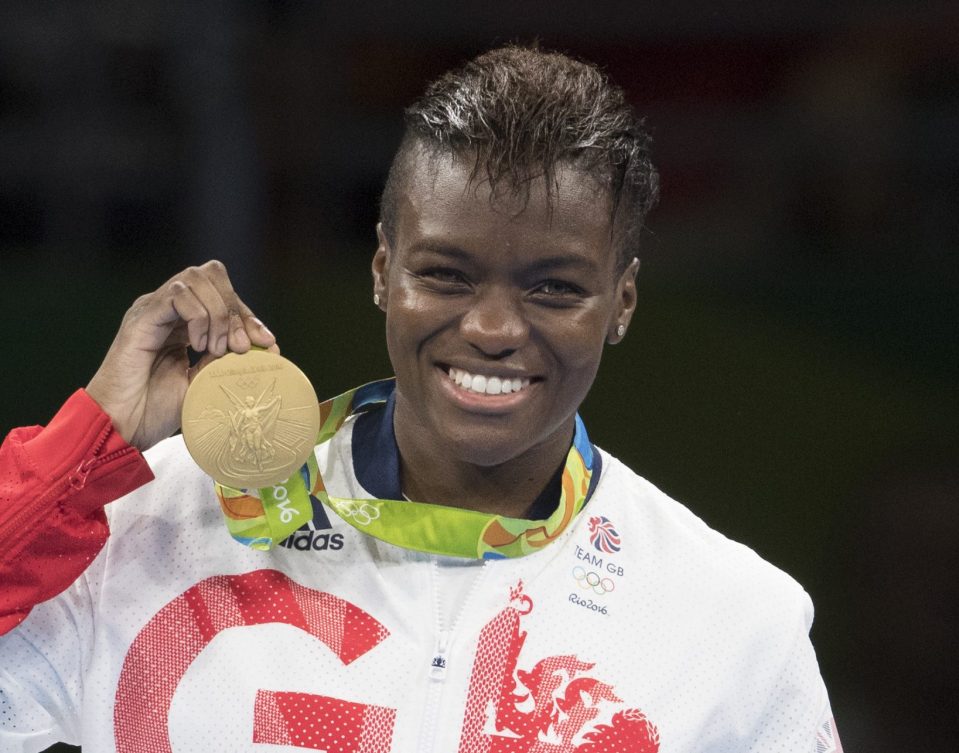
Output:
(262, 522)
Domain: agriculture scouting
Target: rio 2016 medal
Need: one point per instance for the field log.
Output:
(250, 420)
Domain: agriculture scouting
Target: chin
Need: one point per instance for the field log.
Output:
(486, 449)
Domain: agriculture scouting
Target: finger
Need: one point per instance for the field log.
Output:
(239, 341)
(192, 313)
(218, 309)
(152, 318)
(245, 328)
(208, 358)
(256, 330)
(239, 336)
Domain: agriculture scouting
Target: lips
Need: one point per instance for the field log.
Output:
(487, 383)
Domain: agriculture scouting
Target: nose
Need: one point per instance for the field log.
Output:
(495, 323)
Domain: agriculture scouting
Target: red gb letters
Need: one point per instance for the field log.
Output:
(556, 706)
(168, 644)
(319, 722)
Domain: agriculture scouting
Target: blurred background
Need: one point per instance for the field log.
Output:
(791, 373)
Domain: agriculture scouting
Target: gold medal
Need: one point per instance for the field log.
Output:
(250, 420)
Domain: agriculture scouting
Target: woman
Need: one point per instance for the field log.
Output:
(533, 594)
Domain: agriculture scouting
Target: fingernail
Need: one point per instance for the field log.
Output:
(221, 344)
(201, 345)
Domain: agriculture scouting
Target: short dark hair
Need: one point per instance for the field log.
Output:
(519, 112)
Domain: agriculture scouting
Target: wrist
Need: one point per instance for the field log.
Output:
(95, 391)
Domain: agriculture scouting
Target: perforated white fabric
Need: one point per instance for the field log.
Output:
(639, 630)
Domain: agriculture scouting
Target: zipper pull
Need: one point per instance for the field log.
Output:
(438, 663)
(78, 478)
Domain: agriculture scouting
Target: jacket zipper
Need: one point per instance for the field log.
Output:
(441, 657)
(75, 479)
(434, 693)
(438, 665)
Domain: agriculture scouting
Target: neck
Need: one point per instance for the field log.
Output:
(430, 474)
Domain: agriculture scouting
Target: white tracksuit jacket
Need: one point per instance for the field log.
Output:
(657, 635)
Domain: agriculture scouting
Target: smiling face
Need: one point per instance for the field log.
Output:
(497, 314)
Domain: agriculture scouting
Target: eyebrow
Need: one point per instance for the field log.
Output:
(428, 246)
(554, 261)
(564, 261)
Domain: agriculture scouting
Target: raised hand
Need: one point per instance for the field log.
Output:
(145, 374)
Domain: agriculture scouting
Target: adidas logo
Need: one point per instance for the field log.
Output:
(311, 540)
(308, 537)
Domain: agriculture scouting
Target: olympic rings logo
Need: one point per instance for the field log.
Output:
(362, 513)
(592, 580)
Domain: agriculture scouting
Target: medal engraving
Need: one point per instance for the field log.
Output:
(251, 428)
(250, 420)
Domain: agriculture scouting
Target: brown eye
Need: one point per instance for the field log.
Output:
(445, 278)
(444, 275)
(558, 288)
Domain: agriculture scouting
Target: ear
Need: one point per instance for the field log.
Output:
(625, 303)
(381, 267)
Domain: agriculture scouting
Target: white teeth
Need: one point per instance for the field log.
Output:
(488, 385)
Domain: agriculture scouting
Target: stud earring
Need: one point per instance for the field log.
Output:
(621, 330)
(376, 299)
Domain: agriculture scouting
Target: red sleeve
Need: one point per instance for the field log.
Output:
(54, 482)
